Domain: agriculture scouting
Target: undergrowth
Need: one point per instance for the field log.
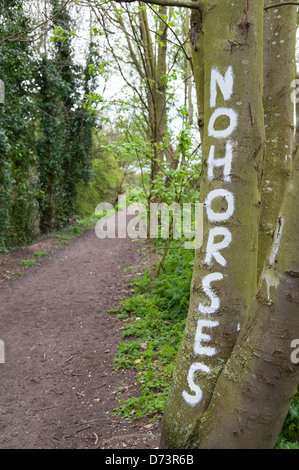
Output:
(154, 322)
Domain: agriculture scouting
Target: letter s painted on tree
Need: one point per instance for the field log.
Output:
(295, 353)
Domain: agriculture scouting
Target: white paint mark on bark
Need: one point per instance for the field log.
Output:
(269, 275)
(271, 281)
(215, 302)
(225, 161)
(213, 249)
(223, 133)
(276, 241)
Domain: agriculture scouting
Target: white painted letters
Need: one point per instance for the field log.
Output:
(215, 302)
(202, 337)
(226, 162)
(193, 400)
(225, 84)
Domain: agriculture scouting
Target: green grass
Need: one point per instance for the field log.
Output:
(154, 323)
(68, 234)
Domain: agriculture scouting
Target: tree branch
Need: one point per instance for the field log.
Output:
(276, 5)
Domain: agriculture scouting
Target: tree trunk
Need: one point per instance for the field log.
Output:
(160, 85)
(224, 278)
(254, 392)
(188, 83)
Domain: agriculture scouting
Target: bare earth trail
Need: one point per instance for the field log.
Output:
(58, 383)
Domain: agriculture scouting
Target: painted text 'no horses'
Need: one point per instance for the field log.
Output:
(225, 84)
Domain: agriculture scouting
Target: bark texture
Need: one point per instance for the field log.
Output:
(260, 379)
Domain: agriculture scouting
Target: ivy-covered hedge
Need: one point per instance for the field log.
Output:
(45, 129)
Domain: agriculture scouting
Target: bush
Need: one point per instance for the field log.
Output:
(154, 324)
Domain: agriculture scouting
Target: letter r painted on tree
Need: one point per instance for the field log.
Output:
(2, 352)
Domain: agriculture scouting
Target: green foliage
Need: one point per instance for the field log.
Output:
(154, 321)
(62, 35)
(15, 273)
(17, 175)
(68, 233)
(40, 254)
(25, 263)
(45, 130)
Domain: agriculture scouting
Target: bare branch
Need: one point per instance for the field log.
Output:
(173, 32)
(167, 3)
(18, 36)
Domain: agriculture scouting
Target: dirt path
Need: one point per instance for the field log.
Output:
(58, 383)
